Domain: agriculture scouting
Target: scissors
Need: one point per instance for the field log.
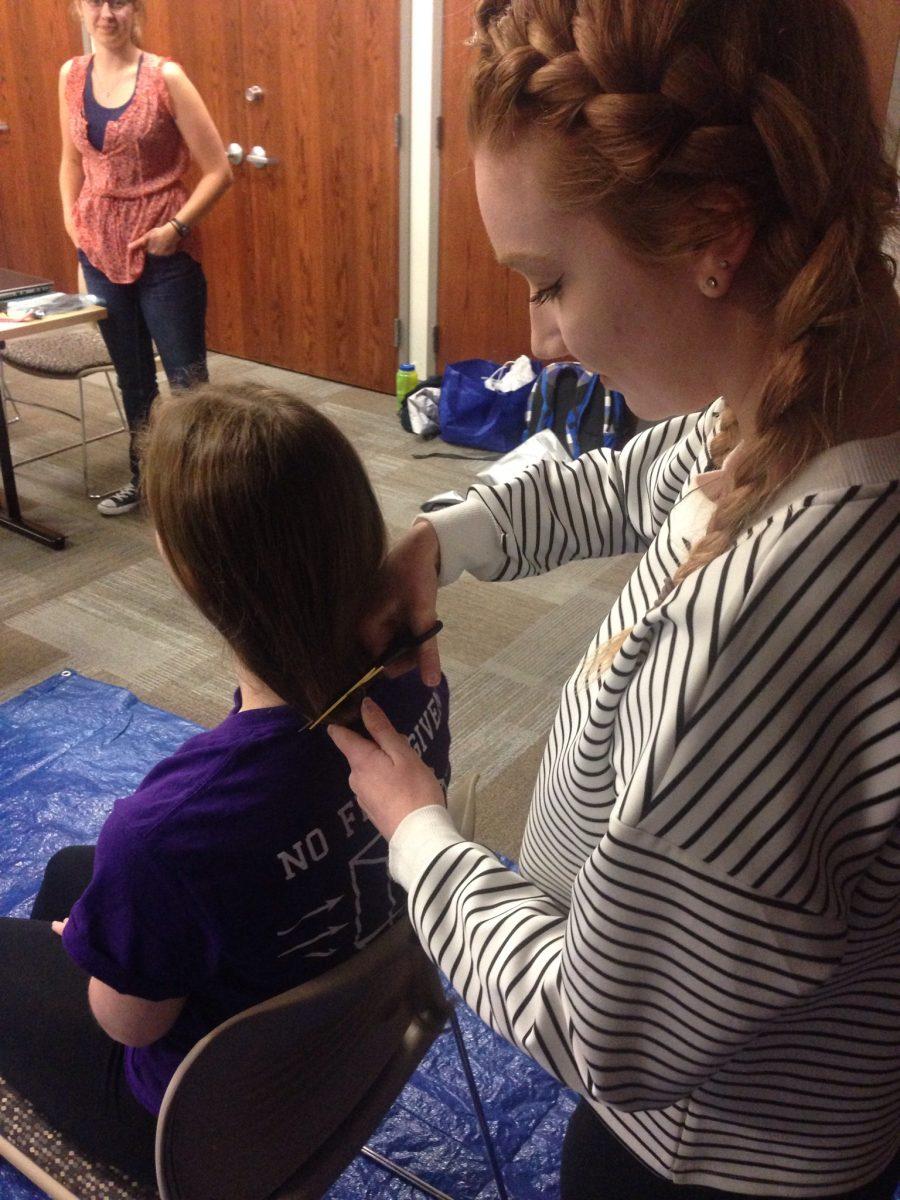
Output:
(396, 649)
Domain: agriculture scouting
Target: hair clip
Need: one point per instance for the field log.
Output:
(400, 645)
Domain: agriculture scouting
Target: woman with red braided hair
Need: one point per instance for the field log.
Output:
(704, 940)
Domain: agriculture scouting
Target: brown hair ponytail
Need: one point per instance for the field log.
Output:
(643, 107)
(270, 524)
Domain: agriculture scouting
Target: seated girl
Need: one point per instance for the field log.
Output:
(242, 865)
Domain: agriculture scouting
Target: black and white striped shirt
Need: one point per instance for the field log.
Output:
(705, 938)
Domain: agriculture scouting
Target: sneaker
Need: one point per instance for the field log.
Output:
(122, 501)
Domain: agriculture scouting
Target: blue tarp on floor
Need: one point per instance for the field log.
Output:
(68, 748)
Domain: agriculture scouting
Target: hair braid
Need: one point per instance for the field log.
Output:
(646, 104)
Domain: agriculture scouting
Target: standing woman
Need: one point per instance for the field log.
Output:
(704, 940)
(132, 123)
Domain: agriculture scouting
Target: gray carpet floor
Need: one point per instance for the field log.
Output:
(106, 607)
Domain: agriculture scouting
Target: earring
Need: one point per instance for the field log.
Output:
(712, 283)
(724, 264)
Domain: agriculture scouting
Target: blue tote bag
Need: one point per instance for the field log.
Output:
(472, 415)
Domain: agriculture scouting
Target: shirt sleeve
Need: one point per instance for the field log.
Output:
(601, 504)
(135, 927)
(761, 797)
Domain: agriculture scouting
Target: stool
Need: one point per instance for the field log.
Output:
(68, 354)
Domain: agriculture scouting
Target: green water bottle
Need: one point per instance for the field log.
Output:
(407, 381)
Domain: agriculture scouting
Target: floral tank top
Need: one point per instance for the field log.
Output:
(136, 181)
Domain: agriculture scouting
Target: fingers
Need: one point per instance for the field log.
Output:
(355, 748)
(59, 926)
(430, 663)
(383, 733)
(424, 599)
(378, 627)
(402, 666)
(407, 600)
(426, 658)
(359, 751)
(420, 626)
(139, 242)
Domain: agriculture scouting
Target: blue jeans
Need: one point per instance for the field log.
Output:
(165, 305)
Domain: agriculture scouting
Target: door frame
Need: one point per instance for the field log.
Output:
(425, 47)
(404, 176)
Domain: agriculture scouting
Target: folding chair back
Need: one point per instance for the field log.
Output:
(278, 1100)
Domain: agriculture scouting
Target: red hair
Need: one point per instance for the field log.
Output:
(647, 109)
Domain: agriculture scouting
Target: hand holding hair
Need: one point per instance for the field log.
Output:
(386, 775)
(407, 590)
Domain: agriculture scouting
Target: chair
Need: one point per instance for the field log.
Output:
(318, 1068)
(74, 354)
(276, 1102)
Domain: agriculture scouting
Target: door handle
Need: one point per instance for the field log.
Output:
(235, 153)
(258, 158)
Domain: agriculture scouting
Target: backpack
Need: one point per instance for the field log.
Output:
(575, 405)
(471, 413)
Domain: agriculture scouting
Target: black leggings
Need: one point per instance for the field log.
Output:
(52, 1051)
(596, 1166)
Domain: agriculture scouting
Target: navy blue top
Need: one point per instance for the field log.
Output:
(96, 115)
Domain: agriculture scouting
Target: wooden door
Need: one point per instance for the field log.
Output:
(483, 308)
(205, 41)
(301, 255)
(35, 40)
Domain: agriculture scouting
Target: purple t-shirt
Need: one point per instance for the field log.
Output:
(241, 867)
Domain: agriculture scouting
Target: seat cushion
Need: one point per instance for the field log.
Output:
(40, 1145)
(64, 354)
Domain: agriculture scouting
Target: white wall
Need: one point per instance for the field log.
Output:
(425, 99)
